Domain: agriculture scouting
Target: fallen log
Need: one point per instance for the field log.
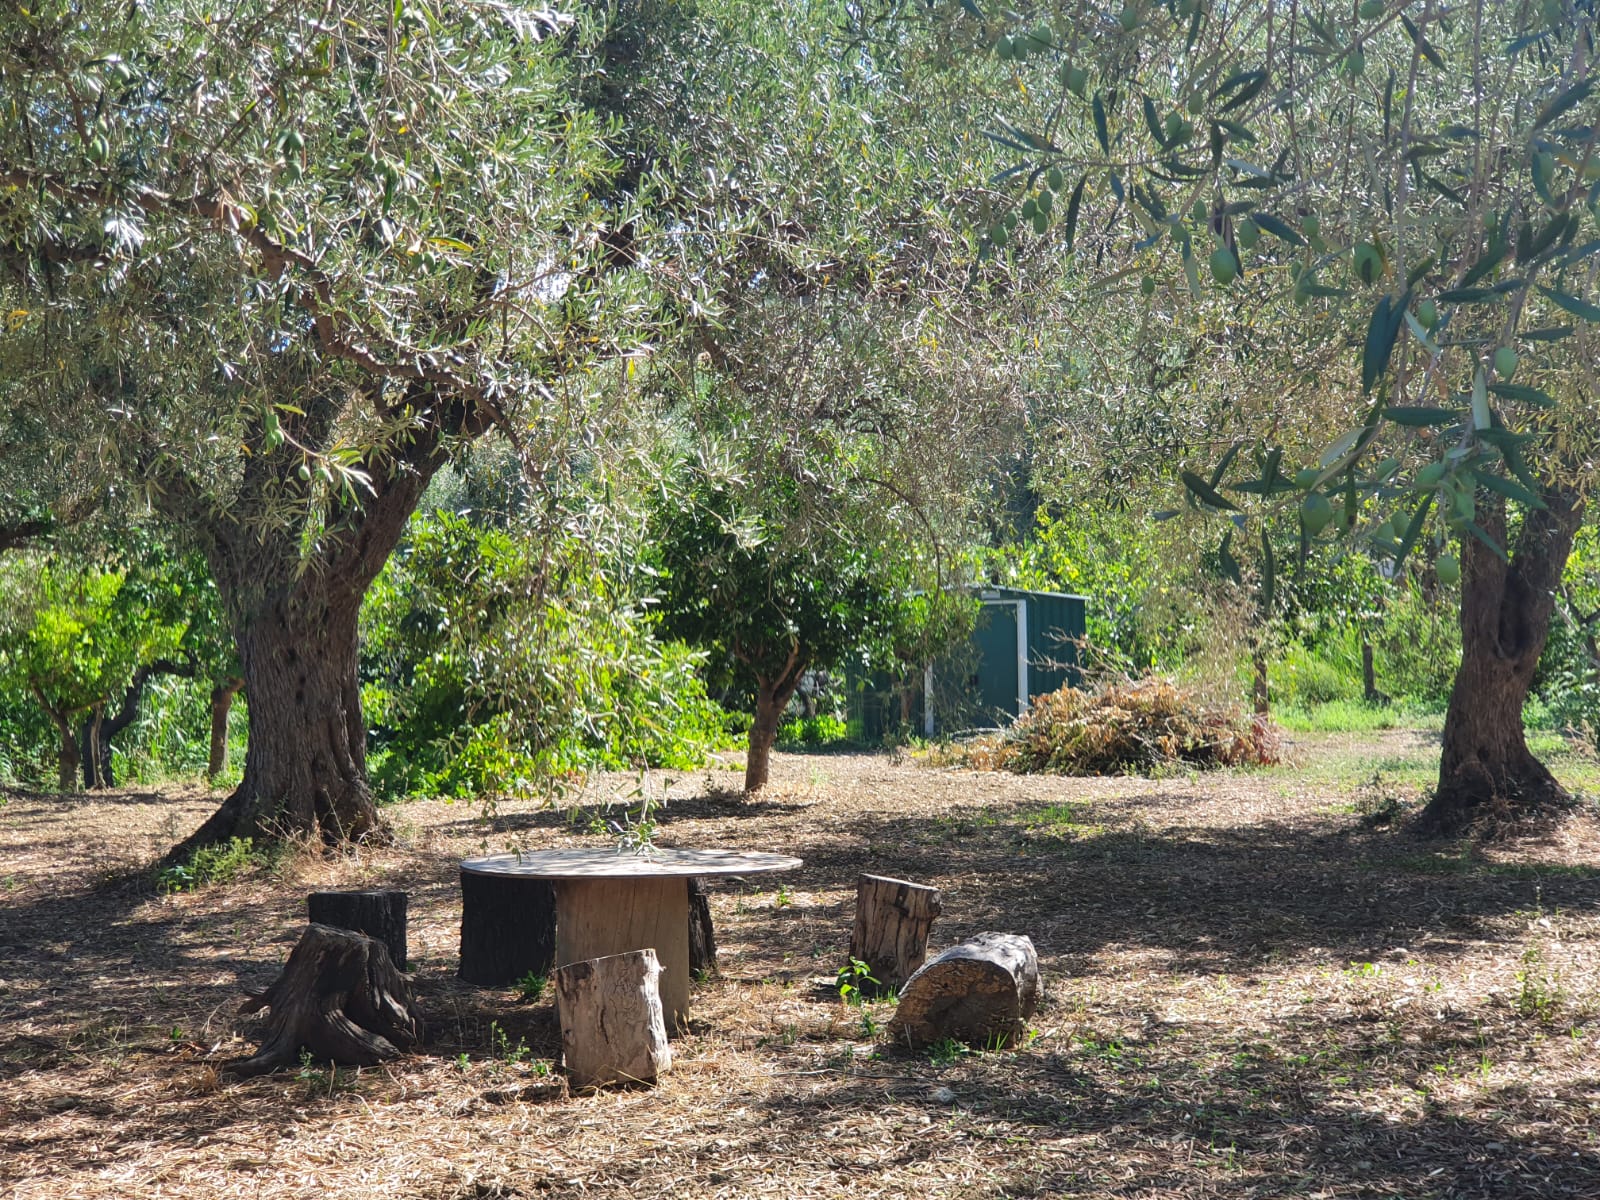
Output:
(981, 992)
(613, 1025)
(338, 998)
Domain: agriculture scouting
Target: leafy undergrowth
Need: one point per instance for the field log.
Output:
(1126, 728)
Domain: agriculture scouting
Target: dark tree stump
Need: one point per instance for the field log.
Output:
(980, 992)
(380, 915)
(893, 918)
(508, 928)
(338, 997)
(702, 938)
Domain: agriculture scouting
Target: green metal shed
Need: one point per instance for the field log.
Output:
(1025, 644)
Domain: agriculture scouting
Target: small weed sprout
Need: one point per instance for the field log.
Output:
(946, 1051)
(531, 986)
(853, 979)
(783, 897)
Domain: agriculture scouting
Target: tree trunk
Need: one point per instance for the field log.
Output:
(1369, 674)
(772, 698)
(94, 751)
(340, 999)
(221, 702)
(98, 731)
(305, 768)
(67, 773)
(380, 914)
(1486, 769)
(1261, 696)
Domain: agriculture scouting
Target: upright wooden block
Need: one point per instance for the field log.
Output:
(508, 928)
(601, 917)
(893, 918)
(613, 1029)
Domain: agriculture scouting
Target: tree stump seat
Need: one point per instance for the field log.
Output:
(378, 914)
(340, 999)
(613, 1025)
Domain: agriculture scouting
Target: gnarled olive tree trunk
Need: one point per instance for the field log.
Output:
(1486, 768)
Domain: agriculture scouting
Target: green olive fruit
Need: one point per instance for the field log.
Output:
(1129, 18)
(1505, 362)
(1009, 221)
(1310, 226)
(1047, 202)
(1448, 568)
(1076, 79)
(1368, 262)
(1005, 48)
(1054, 178)
(1315, 513)
(1197, 104)
(1247, 233)
(1384, 532)
(1147, 285)
(1305, 477)
(1040, 223)
(998, 233)
(1386, 468)
(1201, 213)
(1427, 314)
(1466, 504)
(1224, 267)
(1430, 475)
(304, 472)
(1371, 10)
(1029, 207)
(1043, 37)
(1172, 126)
(1355, 64)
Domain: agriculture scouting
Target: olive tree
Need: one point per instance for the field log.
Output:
(1405, 193)
(279, 261)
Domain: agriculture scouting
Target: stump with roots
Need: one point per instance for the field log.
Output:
(338, 998)
(981, 992)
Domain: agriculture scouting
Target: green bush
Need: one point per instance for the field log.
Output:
(217, 864)
(1302, 677)
(824, 729)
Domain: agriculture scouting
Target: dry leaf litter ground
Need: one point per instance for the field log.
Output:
(1250, 992)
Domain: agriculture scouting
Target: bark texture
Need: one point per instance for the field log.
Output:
(378, 914)
(1485, 768)
(893, 919)
(221, 703)
(702, 937)
(613, 1026)
(981, 992)
(773, 694)
(508, 928)
(339, 998)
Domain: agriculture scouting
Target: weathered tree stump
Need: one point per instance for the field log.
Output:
(338, 997)
(613, 1025)
(893, 918)
(702, 938)
(508, 928)
(980, 992)
(378, 914)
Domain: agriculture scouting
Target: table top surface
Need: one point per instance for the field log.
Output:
(604, 862)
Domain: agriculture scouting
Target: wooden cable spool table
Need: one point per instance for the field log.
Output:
(611, 902)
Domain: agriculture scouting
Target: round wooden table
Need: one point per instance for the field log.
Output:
(610, 902)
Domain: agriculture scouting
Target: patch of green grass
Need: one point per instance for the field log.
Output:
(217, 864)
(1356, 716)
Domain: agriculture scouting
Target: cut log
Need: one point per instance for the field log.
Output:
(702, 938)
(380, 914)
(613, 1026)
(893, 918)
(981, 992)
(508, 928)
(339, 998)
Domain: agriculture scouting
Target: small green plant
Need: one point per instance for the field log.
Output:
(214, 864)
(1538, 986)
(531, 986)
(501, 1047)
(869, 1024)
(783, 898)
(946, 1051)
(853, 980)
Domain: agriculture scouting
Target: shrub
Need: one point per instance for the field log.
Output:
(1124, 728)
(820, 730)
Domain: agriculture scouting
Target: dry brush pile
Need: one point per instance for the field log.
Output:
(1126, 728)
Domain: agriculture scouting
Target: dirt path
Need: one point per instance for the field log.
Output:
(1250, 992)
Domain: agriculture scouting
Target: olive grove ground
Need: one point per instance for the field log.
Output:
(1251, 990)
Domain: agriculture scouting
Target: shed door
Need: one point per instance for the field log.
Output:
(996, 640)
